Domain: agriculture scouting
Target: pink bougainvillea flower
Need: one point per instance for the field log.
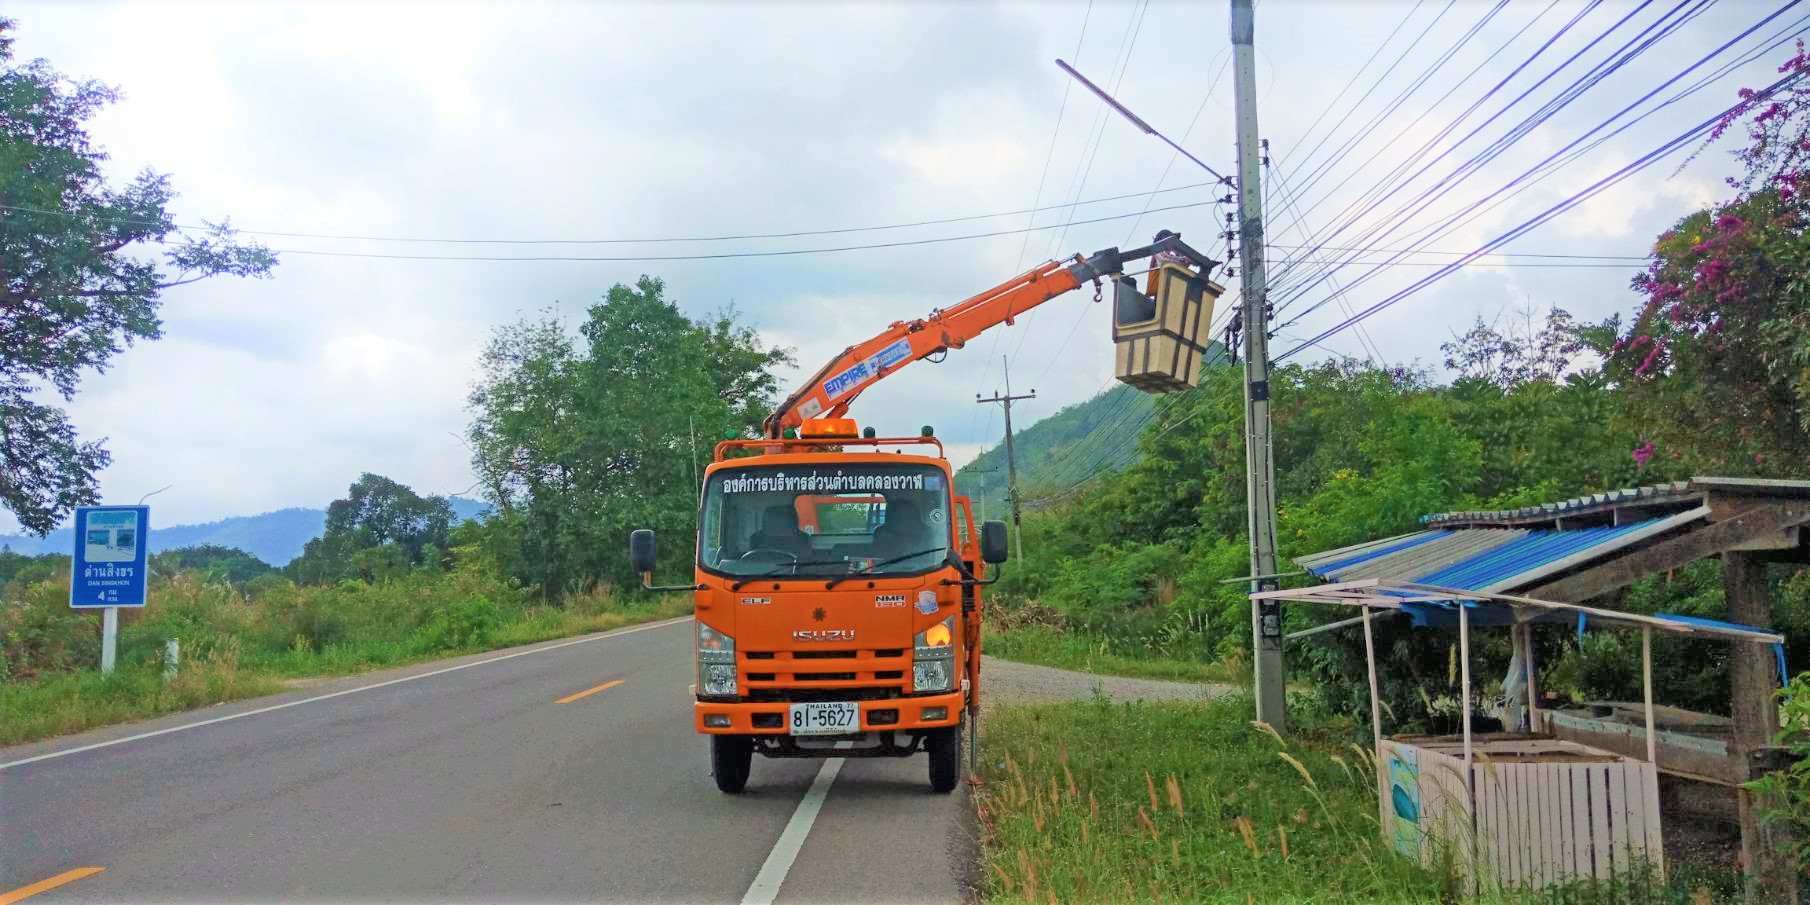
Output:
(1642, 453)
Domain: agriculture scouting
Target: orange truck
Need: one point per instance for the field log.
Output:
(838, 574)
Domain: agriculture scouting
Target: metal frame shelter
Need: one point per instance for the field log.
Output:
(1533, 564)
(1519, 613)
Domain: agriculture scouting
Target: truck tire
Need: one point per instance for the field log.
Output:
(731, 758)
(945, 749)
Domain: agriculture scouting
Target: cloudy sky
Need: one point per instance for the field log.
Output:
(604, 120)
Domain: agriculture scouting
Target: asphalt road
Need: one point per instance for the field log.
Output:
(466, 781)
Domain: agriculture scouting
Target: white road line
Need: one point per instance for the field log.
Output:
(323, 697)
(791, 840)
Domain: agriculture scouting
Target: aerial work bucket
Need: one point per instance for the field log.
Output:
(1158, 332)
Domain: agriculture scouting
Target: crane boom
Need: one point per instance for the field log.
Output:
(830, 391)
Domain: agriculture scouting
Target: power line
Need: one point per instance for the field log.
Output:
(1447, 223)
(1126, 46)
(1318, 172)
(1428, 196)
(1500, 254)
(1379, 80)
(1359, 74)
(1288, 198)
(736, 254)
(1389, 180)
(653, 241)
(1466, 169)
(1668, 148)
(1048, 156)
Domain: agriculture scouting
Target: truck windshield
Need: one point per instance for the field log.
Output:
(825, 520)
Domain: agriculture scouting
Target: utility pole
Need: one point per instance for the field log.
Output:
(1011, 458)
(1266, 616)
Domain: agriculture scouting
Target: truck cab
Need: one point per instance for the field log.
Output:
(837, 594)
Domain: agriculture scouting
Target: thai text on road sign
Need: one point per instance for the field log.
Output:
(109, 564)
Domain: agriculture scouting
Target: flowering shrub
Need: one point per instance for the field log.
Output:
(1717, 361)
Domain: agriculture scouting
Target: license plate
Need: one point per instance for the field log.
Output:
(835, 718)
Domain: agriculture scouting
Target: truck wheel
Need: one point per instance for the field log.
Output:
(945, 748)
(731, 757)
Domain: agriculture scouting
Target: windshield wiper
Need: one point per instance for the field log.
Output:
(785, 565)
(885, 562)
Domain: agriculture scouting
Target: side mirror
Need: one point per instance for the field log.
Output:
(993, 542)
(641, 550)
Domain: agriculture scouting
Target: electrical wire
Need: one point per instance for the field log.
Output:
(1289, 198)
(655, 241)
(1397, 219)
(1664, 150)
(1548, 162)
(737, 254)
(1465, 169)
(1126, 47)
(1426, 147)
(1049, 155)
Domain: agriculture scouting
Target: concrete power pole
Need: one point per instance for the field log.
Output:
(1266, 617)
(1011, 458)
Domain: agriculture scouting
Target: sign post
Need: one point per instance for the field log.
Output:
(107, 570)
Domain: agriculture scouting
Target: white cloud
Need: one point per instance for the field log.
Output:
(642, 120)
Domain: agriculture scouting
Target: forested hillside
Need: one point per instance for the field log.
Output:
(274, 537)
(1074, 444)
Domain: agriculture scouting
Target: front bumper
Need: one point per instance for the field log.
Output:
(906, 713)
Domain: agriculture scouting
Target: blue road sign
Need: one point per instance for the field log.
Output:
(109, 564)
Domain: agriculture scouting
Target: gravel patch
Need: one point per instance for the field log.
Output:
(1006, 682)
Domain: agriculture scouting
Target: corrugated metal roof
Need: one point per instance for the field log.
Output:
(1650, 494)
(1484, 559)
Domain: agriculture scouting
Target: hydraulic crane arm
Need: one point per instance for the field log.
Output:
(828, 393)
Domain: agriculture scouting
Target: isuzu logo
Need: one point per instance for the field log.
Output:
(824, 634)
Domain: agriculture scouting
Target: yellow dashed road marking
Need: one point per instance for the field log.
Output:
(68, 876)
(568, 699)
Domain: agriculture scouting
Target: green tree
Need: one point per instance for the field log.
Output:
(579, 442)
(380, 528)
(74, 287)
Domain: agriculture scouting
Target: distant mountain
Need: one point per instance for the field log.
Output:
(274, 537)
(1065, 448)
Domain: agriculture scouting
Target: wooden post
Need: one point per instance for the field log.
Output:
(1765, 849)
(1646, 686)
(1376, 709)
(1470, 771)
(1533, 692)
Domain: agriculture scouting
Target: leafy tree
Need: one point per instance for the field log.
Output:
(580, 441)
(212, 560)
(1716, 364)
(1512, 357)
(380, 528)
(73, 288)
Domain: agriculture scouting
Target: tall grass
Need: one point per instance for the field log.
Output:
(1098, 801)
(1046, 646)
(242, 641)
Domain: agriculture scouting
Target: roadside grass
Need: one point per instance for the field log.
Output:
(231, 649)
(1045, 646)
(1115, 802)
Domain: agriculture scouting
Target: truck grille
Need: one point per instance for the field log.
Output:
(802, 675)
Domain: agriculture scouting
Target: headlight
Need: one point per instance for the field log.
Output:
(933, 657)
(930, 675)
(717, 678)
(716, 662)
